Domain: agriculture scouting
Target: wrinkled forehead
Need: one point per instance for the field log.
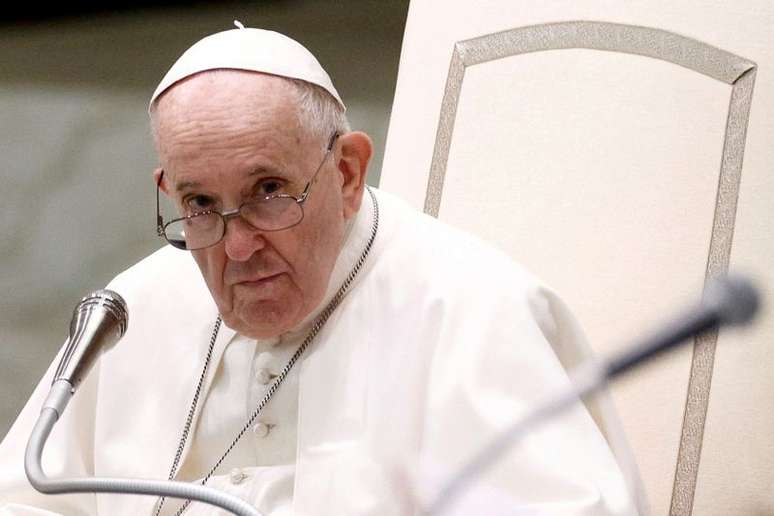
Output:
(226, 101)
(228, 89)
(231, 121)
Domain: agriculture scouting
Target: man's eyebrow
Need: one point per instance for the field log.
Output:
(182, 185)
(257, 171)
(263, 171)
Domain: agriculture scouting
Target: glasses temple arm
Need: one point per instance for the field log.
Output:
(159, 219)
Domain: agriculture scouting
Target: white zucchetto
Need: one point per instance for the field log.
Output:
(249, 49)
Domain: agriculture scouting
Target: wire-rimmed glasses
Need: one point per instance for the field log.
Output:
(206, 228)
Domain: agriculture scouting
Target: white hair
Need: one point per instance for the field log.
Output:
(318, 112)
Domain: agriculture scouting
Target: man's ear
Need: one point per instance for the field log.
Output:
(355, 150)
(164, 187)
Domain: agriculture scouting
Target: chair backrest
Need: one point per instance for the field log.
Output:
(624, 152)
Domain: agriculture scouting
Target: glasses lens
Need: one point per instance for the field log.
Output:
(273, 214)
(195, 232)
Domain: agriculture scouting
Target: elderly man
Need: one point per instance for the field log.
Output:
(306, 343)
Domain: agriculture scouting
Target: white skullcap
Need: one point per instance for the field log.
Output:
(254, 50)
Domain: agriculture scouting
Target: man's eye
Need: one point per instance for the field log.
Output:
(269, 187)
(199, 203)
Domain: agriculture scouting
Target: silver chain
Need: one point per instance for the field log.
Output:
(318, 325)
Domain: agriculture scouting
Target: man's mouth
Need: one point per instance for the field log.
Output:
(258, 280)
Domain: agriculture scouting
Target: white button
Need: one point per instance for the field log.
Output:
(262, 429)
(264, 376)
(237, 476)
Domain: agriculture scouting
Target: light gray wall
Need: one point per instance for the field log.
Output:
(76, 155)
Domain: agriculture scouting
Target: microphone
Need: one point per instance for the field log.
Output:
(727, 301)
(99, 321)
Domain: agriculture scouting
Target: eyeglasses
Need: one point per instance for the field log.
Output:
(207, 228)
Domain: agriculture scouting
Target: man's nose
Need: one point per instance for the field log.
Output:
(241, 239)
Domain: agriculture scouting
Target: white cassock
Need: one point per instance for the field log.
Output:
(439, 343)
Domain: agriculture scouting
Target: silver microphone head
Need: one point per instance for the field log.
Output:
(99, 321)
(734, 298)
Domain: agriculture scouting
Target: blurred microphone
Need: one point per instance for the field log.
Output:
(730, 300)
(99, 321)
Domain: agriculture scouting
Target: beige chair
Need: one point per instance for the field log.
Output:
(624, 152)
